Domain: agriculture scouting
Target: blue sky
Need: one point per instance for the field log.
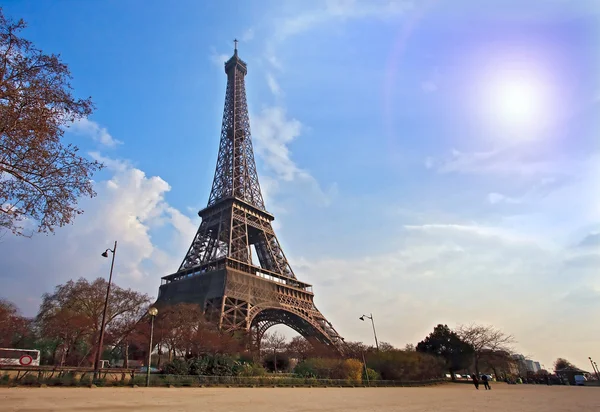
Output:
(427, 161)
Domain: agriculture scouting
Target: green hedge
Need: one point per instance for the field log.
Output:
(203, 381)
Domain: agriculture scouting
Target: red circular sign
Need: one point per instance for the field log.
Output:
(25, 360)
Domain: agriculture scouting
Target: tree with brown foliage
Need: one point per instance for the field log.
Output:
(41, 178)
(73, 313)
(183, 331)
(14, 328)
(176, 328)
(485, 338)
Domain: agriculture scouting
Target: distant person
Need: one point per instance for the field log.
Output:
(486, 384)
(475, 381)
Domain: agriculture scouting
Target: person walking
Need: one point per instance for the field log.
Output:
(486, 384)
(475, 381)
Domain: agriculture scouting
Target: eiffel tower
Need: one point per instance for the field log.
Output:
(218, 271)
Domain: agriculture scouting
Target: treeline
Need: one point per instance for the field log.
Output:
(472, 348)
(67, 327)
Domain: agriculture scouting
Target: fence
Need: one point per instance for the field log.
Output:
(121, 377)
(61, 375)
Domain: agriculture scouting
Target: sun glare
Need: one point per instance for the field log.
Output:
(516, 100)
(515, 97)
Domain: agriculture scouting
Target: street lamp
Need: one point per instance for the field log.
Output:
(152, 312)
(103, 324)
(373, 323)
(594, 367)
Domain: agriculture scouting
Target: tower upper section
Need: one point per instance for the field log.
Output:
(235, 174)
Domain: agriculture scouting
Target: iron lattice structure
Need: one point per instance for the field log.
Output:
(235, 267)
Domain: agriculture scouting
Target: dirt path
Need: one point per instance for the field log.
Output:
(464, 398)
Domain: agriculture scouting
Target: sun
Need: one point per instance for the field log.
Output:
(515, 98)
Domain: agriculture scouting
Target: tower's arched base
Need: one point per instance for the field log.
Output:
(268, 318)
(240, 301)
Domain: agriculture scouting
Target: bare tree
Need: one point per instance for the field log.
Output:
(484, 338)
(356, 350)
(41, 178)
(299, 348)
(274, 342)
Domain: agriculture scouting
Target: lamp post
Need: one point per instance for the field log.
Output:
(594, 367)
(366, 369)
(373, 323)
(152, 312)
(103, 324)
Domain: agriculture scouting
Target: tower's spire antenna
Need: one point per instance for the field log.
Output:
(235, 42)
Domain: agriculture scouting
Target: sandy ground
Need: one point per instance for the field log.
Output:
(451, 397)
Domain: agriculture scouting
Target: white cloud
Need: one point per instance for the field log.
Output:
(89, 128)
(340, 10)
(461, 274)
(128, 207)
(274, 60)
(591, 240)
(329, 12)
(273, 132)
(505, 161)
(218, 59)
(273, 85)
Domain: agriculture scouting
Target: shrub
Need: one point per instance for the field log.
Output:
(250, 369)
(351, 369)
(305, 369)
(28, 380)
(177, 367)
(371, 374)
(328, 368)
(406, 365)
(279, 362)
(139, 380)
(85, 380)
(215, 365)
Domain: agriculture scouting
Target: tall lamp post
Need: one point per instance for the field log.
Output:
(373, 323)
(152, 312)
(103, 324)
(594, 367)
